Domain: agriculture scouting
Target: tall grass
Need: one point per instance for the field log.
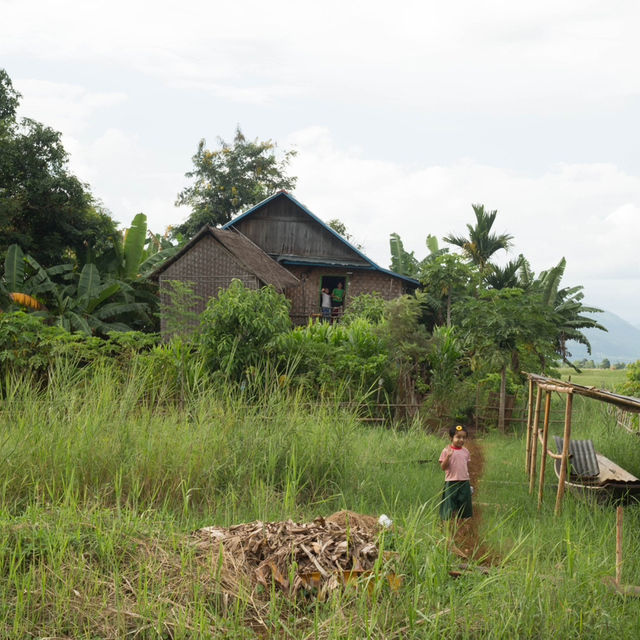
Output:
(101, 483)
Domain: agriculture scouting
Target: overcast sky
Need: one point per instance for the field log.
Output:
(403, 114)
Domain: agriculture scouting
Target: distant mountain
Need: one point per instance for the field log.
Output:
(621, 343)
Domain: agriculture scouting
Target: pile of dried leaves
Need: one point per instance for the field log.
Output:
(289, 553)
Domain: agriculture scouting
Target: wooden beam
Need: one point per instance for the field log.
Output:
(554, 387)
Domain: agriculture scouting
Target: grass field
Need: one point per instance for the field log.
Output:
(100, 491)
(601, 378)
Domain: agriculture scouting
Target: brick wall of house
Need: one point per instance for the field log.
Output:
(305, 298)
(207, 267)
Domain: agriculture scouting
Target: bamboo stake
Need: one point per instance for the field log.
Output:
(619, 514)
(545, 437)
(529, 419)
(565, 454)
(534, 441)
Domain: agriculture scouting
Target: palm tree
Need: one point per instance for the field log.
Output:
(504, 277)
(481, 243)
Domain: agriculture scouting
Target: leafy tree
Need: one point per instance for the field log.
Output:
(43, 208)
(341, 229)
(231, 178)
(238, 328)
(481, 243)
(605, 364)
(500, 325)
(445, 280)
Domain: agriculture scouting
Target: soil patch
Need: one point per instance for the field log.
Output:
(467, 541)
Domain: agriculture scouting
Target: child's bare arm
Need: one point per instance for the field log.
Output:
(447, 457)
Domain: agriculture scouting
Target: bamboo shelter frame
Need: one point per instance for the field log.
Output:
(547, 386)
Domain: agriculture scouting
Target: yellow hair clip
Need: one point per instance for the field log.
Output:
(458, 428)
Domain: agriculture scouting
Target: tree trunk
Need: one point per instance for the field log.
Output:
(448, 311)
(503, 397)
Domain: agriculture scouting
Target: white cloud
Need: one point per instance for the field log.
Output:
(429, 55)
(586, 213)
(64, 107)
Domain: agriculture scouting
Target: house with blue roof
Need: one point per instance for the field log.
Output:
(282, 231)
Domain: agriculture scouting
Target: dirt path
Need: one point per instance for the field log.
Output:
(467, 540)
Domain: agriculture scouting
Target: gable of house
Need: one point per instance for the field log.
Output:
(286, 230)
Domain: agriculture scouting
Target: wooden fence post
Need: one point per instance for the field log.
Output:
(545, 438)
(534, 440)
(565, 453)
(529, 420)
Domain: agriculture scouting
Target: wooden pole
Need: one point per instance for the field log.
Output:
(534, 441)
(565, 454)
(543, 454)
(529, 419)
(619, 514)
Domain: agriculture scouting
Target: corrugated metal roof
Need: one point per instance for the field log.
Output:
(584, 463)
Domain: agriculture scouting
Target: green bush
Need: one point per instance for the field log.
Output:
(632, 385)
(238, 328)
(27, 344)
(322, 355)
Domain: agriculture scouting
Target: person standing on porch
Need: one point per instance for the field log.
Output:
(337, 297)
(325, 304)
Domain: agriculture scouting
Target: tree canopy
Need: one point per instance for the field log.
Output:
(230, 179)
(43, 207)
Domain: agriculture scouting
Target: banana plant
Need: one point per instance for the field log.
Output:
(128, 259)
(82, 302)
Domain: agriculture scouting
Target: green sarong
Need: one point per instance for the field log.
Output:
(456, 500)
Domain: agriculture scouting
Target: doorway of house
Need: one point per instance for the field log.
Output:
(331, 283)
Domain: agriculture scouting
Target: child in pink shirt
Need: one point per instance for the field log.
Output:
(454, 461)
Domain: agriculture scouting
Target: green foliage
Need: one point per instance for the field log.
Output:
(135, 252)
(446, 280)
(43, 208)
(448, 394)
(631, 387)
(500, 325)
(77, 301)
(28, 345)
(481, 243)
(403, 262)
(407, 343)
(341, 229)
(323, 356)
(567, 306)
(177, 312)
(238, 327)
(231, 178)
(370, 306)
